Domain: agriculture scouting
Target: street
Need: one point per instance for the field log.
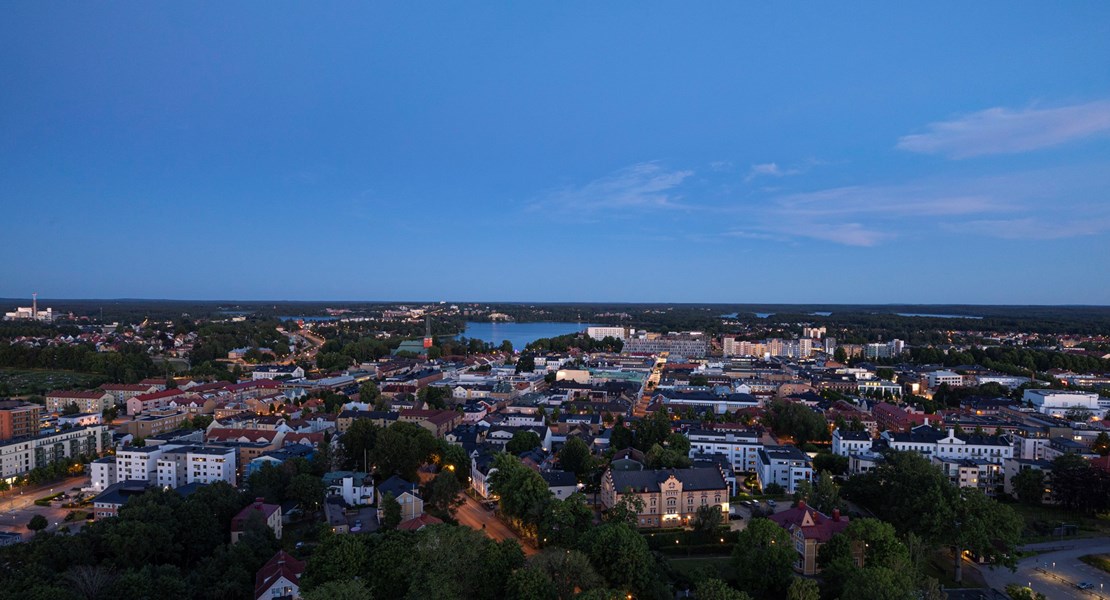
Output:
(1064, 570)
(18, 505)
(474, 515)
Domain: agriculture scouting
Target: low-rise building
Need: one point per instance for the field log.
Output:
(279, 578)
(671, 497)
(809, 530)
(270, 514)
(356, 489)
(85, 401)
(786, 466)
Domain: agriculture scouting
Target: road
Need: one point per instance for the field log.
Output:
(18, 505)
(474, 516)
(1063, 572)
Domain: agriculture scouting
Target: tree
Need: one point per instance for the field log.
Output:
(37, 523)
(764, 559)
(833, 463)
(336, 558)
(368, 392)
(620, 555)
(526, 364)
(878, 583)
(522, 441)
(826, 494)
(1029, 486)
(350, 589)
(434, 396)
(803, 589)
(391, 511)
(401, 448)
(443, 494)
(621, 437)
(356, 443)
(626, 510)
(530, 583)
(71, 409)
(575, 457)
(306, 489)
(564, 521)
(715, 589)
(1019, 592)
(569, 570)
(840, 355)
(524, 493)
(1102, 444)
(985, 528)
(707, 520)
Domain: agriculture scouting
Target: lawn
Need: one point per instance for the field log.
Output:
(21, 382)
(696, 568)
(1098, 561)
(1041, 522)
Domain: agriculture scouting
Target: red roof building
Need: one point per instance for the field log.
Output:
(280, 577)
(809, 529)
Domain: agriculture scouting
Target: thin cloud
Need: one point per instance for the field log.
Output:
(645, 185)
(1032, 229)
(769, 170)
(1002, 130)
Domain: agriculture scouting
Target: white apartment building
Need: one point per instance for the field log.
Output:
(938, 378)
(740, 447)
(971, 473)
(102, 473)
(17, 457)
(137, 463)
(196, 464)
(845, 443)
(600, 333)
(1059, 402)
(931, 442)
(784, 465)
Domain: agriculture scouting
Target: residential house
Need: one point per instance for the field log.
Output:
(279, 578)
(406, 493)
(356, 489)
(269, 513)
(810, 529)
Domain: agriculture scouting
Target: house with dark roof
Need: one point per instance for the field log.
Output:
(809, 529)
(561, 484)
(670, 497)
(406, 493)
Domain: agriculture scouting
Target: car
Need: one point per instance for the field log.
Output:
(771, 503)
(1086, 585)
(735, 517)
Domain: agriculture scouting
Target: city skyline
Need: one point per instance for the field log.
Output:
(621, 153)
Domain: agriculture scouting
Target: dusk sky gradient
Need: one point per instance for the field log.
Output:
(945, 152)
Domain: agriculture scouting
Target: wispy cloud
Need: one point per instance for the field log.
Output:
(645, 185)
(1007, 131)
(769, 170)
(1029, 228)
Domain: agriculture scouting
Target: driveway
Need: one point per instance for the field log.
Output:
(1056, 572)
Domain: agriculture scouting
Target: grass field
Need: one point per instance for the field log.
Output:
(21, 382)
(1040, 521)
(697, 568)
(1098, 561)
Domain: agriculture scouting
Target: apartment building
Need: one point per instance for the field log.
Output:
(785, 465)
(741, 448)
(86, 401)
(19, 419)
(18, 456)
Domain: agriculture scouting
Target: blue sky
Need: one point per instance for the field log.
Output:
(572, 151)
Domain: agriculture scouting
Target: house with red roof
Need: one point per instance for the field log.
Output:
(809, 529)
(280, 577)
(151, 401)
(269, 513)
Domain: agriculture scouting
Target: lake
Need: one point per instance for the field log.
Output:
(520, 334)
(937, 316)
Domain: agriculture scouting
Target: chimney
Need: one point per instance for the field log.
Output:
(836, 514)
(926, 421)
(951, 432)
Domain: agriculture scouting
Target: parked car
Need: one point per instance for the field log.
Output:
(735, 517)
(1086, 585)
(771, 503)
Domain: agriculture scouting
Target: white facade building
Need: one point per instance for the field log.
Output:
(784, 465)
(740, 447)
(1059, 402)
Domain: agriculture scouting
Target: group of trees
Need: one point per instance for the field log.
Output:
(915, 496)
(797, 421)
(128, 365)
(294, 479)
(216, 339)
(399, 449)
(161, 546)
(580, 341)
